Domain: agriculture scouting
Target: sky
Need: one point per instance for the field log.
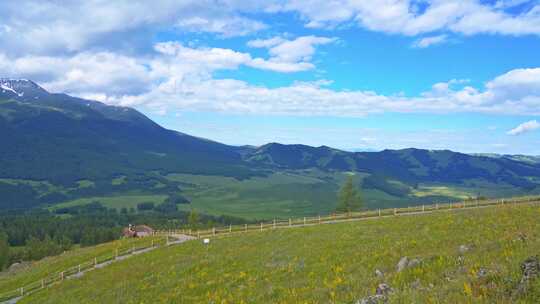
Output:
(355, 75)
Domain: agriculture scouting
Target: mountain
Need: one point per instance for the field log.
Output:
(58, 148)
(410, 165)
(63, 140)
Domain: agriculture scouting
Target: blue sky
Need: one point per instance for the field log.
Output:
(460, 75)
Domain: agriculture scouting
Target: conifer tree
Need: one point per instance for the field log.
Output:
(349, 198)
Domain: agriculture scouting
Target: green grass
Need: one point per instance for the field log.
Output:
(281, 195)
(39, 269)
(114, 201)
(329, 264)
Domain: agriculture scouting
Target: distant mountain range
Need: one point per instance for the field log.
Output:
(54, 143)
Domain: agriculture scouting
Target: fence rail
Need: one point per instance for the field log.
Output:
(96, 262)
(340, 217)
(262, 226)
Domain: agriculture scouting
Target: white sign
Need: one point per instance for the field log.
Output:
(206, 241)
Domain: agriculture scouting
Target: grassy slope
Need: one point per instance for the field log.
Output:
(115, 201)
(50, 265)
(328, 264)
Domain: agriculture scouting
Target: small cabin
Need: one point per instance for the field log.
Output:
(138, 231)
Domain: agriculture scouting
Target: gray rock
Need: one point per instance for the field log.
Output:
(376, 299)
(413, 263)
(463, 249)
(379, 273)
(530, 270)
(383, 289)
(381, 295)
(402, 264)
(482, 273)
(405, 262)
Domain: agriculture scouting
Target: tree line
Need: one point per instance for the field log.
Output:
(39, 233)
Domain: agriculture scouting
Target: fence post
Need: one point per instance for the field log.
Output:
(61, 276)
(246, 227)
(79, 268)
(213, 230)
(379, 212)
(423, 208)
(290, 222)
(261, 226)
(42, 283)
(319, 219)
(95, 262)
(395, 211)
(230, 228)
(22, 291)
(198, 234)
(436, 206)
(304, 220)
(274, 224)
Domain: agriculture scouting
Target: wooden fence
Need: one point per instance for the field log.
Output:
(342, 217)
(98, 261)
(125, 251)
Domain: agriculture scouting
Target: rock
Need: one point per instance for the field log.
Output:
(463, 249)
(381, 295)
(379, 273)
(522, 237)
(413, 263)
(481, 273)
(376, 299)
(402, 264)
(530, 270)
(383, 289)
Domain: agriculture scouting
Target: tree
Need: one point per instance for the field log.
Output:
(349, 198)
(4, 250)
(145, 206)
(193, 219)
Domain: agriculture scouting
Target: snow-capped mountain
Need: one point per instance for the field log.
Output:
(21, 88)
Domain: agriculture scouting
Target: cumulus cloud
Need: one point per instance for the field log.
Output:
(429, 41)
(405, 17)
(288, 55)
(52, 27)
(176, 77)
(525, 127)
(227, 27)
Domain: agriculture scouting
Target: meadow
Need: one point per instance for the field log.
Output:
(334, 263)
(118, 201)
(37, 270)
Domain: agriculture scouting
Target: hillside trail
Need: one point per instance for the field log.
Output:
(176, 240)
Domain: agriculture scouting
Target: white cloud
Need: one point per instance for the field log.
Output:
(288, 55)
(429, 41)
(176, 78)
(403, 16)
(525, 127)
(227, 27)
(52, 27)
(265, 43)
